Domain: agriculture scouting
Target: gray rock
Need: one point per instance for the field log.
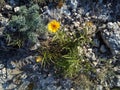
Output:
(1, 66)
(111, 37)
(16, 9)
(118, 82)
(94, 17)
(104, 13)
(64, 10)
(99, 87)
(81, 11)
(103, 17)
(12, 2)
(76, 24)
(3, 21)
(102, 27)
(90, 54)
(118, 23)
(78, 17)
(103, 49)
(4, 70)
(96, 43)
(10, 87)
(72, 3)
(1, 88)
(1, 31)
(8, 7)
(112, 26)
(0, 15)
(117, 69)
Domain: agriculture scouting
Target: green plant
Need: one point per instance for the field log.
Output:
(69, 64)
(62, 51)
(27, 26)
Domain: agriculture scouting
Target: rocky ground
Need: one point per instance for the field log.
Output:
(18, 68)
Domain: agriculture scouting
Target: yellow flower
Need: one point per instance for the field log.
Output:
(53, 26)
(38, 59)
(89, 24)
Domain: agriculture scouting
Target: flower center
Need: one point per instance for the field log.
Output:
(54, 26)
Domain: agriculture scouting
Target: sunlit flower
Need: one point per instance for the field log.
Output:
(53, 26)
(38, 59)
(89, 24)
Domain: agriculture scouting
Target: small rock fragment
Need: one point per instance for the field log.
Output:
(103, 49)
(8, 7)
(16, 9)
(96, 43)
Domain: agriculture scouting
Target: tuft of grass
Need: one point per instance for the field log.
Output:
(62, 51)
